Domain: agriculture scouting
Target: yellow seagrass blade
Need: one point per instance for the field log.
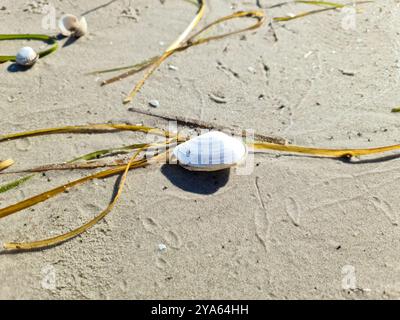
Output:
(4, 164)
(336, 153)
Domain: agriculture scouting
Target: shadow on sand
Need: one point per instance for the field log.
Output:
(196, 181)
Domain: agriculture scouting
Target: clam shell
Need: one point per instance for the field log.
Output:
(26, 56)
(211, 151)
(71, 25)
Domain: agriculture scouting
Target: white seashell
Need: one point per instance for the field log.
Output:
(71, 25)
(26, 56)
(211, 151)
(154, 103)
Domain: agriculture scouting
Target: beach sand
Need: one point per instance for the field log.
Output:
(296, 227)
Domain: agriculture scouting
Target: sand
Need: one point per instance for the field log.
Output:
(296, 227)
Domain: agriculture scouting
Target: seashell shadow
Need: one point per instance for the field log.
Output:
(70, 40)
(15, 67)
(199, 182)
(60, 36)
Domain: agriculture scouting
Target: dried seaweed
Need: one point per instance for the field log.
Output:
(52, 41)
(183, 42)
(135, 163)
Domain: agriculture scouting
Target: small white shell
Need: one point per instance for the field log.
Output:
(211, 151)
(71, 25)
(26, 56)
